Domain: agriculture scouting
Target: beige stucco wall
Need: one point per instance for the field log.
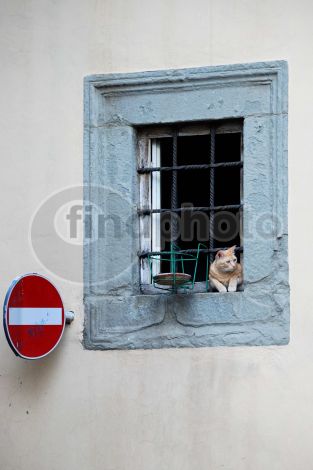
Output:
(232, 409)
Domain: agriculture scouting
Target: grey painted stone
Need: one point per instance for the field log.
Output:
(117, 314)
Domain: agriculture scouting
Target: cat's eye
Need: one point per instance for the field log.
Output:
(235, 259)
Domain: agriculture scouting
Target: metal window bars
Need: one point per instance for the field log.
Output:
(176, 256)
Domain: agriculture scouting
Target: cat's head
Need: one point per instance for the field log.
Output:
(225, 260)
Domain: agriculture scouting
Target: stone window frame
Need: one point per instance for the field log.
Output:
(117, 315)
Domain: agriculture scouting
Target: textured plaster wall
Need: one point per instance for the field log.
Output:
(237, 408)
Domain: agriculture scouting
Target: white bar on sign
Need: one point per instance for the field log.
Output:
(35, 316)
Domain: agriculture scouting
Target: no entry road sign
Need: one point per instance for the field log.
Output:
(33, 316)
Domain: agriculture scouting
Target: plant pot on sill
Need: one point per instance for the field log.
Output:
(176, 259)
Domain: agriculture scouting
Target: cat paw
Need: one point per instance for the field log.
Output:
(222, 289)
(232, 288)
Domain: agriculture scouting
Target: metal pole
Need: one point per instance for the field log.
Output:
(69, 316)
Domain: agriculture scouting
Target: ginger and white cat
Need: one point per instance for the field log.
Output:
(225, 272)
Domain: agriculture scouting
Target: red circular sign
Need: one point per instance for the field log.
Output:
(33, 316)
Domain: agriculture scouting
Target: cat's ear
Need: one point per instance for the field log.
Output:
(220, 254)
(230, 251)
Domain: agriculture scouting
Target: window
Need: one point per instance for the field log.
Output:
(245, 107)
(194, 174)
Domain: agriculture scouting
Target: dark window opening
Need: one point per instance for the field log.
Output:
(193, 188)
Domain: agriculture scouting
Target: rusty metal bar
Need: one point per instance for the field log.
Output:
(189, 167)
(144, 254)
(212, 191)
(142, 212)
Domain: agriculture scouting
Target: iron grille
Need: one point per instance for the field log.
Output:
(211, 208)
